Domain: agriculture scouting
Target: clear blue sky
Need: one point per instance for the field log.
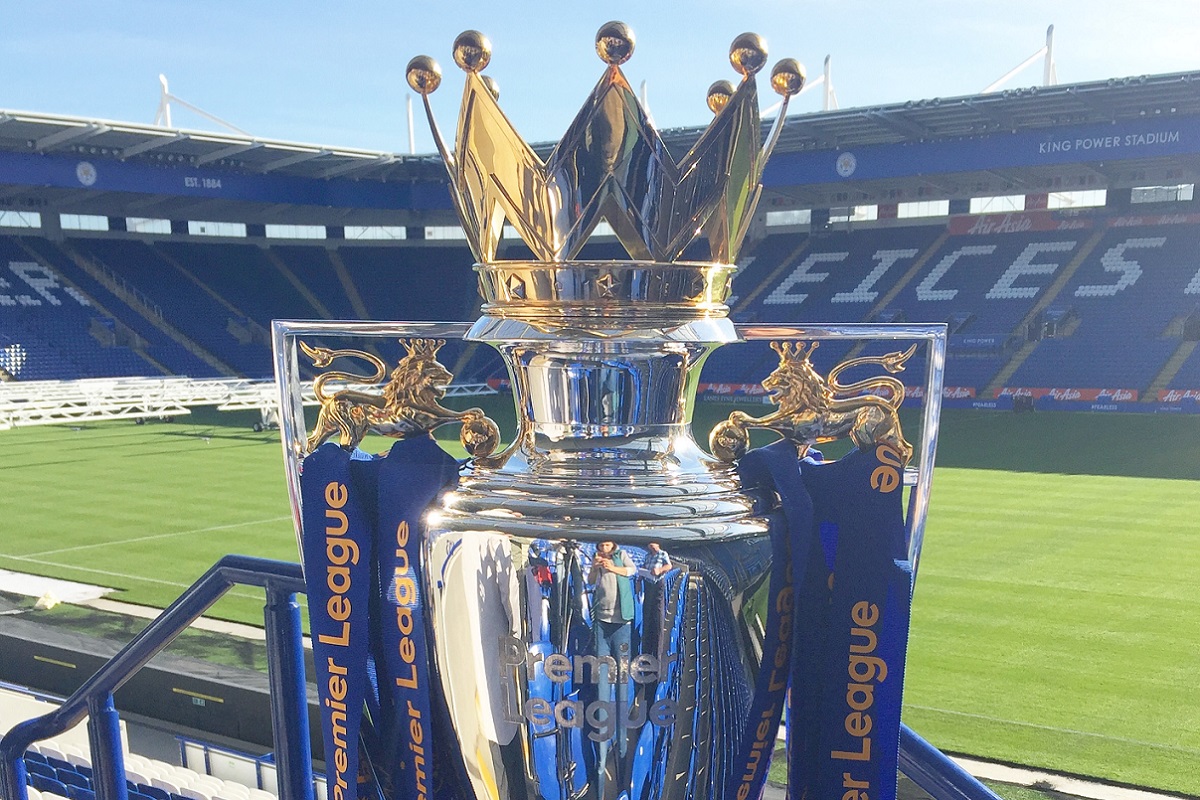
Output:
(333, 73)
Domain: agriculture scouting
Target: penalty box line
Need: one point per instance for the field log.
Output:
(136, 539)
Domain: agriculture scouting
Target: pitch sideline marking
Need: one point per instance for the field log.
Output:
(1053, 729)
(151, 537)
(109, 573)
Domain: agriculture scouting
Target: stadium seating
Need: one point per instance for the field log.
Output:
(1126, 294)
(58, 769)
(313, 267)
(1112, 325)
(1188, 376)
(56, 330)
(432, 282)
(839, 277)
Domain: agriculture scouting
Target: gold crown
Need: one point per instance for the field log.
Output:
(612, 164)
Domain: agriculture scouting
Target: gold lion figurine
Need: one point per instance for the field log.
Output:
(812, 410)
(408, 405)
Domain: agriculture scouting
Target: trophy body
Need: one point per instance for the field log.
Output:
(568, 673)
(604, 609)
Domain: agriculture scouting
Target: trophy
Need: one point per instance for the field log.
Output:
(600, 608)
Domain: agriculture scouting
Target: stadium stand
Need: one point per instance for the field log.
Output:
(840, 276)
(1120, 307)
(62, 333)
(315, 270)
(1101, 305)
(84, 263)
(433, 282)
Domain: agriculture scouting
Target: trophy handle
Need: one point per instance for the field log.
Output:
(811, 409)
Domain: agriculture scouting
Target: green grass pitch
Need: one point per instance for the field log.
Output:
(1055, 620)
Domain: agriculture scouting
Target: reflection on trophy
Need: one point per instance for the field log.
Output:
(607, 609)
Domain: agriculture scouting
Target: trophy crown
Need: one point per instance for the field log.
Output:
(612, 164)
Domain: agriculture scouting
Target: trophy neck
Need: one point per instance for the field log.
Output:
(604, 349)
(604, 388)
(616, 382)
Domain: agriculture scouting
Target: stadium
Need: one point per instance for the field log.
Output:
(1053, 229)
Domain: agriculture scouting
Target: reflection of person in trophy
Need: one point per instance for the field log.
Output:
(657, 563)
(612, 618)
(654, 617)
(539, 586)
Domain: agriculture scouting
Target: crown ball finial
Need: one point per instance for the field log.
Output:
(614, 43)
(718, 95)
(492, 87)
(472, 51)
(424, 75)
(748, 54)
(787, 77)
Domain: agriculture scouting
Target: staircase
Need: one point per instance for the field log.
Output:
(1168, 372)
(255, 331)
(347, 282)
(1049, 296)
(286, 271)
(785, 264)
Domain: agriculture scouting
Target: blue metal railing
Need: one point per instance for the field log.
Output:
(94, 699)
(927, 766)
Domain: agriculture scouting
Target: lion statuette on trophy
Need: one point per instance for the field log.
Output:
(813, 410)
(408, 405)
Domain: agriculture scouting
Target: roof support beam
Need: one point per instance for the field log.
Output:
(226, 152)
(985, 109)
(354, 166)
(898, 123)
(297, 158)
(152, 144)
(70, 135)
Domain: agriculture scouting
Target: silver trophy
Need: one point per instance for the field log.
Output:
(596, 588)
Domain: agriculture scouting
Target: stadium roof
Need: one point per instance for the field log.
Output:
(1114, 101)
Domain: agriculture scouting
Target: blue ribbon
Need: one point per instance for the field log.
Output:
(412, 475)
(858, 689)
(774, 468)
(337, 550)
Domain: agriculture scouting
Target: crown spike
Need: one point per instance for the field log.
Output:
(614, 43)
(748, 54)
(612, 164)
(472, 51)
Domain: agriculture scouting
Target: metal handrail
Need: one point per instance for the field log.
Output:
(922, 762)
(94, 699)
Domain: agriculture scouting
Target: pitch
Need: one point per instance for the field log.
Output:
(1054, 612)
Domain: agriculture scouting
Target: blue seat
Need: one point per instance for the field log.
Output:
(40, 768)
(59, 764)
(33, 755)
(153, 792)
(44, 784)
(84, 770)
(74, 779)
(134, 794)
(80, 793)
